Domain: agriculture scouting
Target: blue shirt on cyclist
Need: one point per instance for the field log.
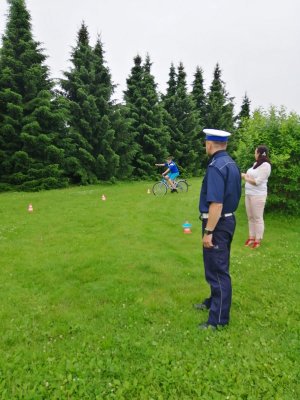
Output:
(173, 169)
(170, 173)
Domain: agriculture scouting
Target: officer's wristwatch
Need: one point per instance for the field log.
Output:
(208, 232)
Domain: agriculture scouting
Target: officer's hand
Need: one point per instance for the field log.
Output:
(207, 241)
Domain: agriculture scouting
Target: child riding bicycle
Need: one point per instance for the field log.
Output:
(171, 173)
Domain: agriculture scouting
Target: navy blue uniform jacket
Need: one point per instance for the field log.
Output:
(221, 184)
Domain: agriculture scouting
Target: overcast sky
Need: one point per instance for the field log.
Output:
(255, 42)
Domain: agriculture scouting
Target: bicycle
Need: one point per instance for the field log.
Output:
(160, 188)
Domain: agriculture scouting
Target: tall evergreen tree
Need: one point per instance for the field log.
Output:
(245, 109)
(240, 120)
(219, 113)
(124, 142)
(169, 106)
(146, 118)
(102, 89)
(82, 110)
(199, 96)
(30, 155)
(183, 125)
(132, 98)
(172, 82)
(88, 89)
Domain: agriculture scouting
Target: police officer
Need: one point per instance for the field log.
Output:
(219, 198)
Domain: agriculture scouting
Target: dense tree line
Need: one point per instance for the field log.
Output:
(74, 133)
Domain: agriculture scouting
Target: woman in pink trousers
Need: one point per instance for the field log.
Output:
(256, 191)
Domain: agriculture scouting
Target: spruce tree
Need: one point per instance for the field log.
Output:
(219, 114)
(107, 160)
(146, 119)
(133, 103)
(88, 89)
(82, 110)
(199, 96)
(30, 125)
(169, 106)
(183, 125)
(124, 142)
(245, 110)
(172, 82)
(240, 120)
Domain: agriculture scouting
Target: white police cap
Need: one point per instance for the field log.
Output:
(216, 135)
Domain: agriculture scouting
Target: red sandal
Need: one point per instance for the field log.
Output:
(249, 242)
(255, 245)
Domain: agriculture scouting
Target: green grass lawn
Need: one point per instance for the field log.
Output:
(96, 300)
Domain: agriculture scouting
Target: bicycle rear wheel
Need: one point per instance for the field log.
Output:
(159, 189)
(182, 186)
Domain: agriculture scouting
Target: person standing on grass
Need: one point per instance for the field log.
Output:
(219, 198)
(256, 192)
(170, 173)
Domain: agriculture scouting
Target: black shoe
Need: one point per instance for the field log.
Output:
(206, 325)
(201, 306)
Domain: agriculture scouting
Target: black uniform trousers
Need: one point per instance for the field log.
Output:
(216, 265)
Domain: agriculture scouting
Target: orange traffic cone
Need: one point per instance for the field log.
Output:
(103, 197)
(30, 208)
(187, 227)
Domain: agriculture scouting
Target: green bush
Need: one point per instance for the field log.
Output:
(281, 133)
(5, 187)
(36, 185)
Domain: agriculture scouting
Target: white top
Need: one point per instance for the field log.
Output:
(260, 175)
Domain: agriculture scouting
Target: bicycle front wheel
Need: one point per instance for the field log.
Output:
(182, 186)
(159, 189)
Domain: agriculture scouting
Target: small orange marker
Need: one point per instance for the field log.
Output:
(30, 208)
